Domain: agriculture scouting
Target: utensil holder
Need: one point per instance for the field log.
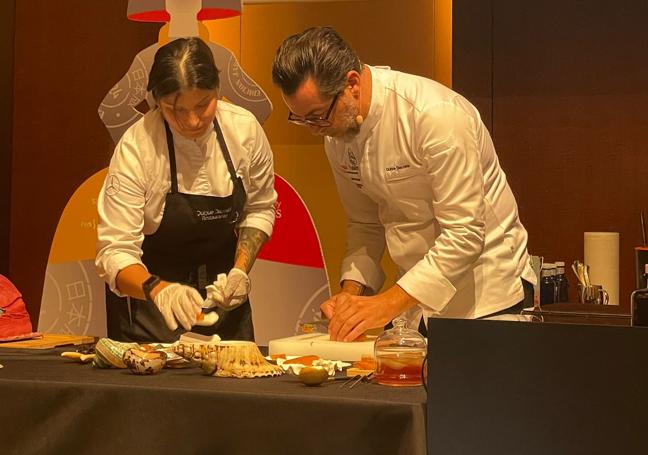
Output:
(593, 294)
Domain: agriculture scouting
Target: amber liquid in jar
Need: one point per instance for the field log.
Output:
(399, 366)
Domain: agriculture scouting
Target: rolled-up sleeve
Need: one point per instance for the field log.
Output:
(120, 208)
(365, 235)
(261, 195)
(451, 158)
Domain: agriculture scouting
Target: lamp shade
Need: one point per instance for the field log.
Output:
(155, 11)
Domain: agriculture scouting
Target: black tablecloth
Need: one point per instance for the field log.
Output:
(49, 405)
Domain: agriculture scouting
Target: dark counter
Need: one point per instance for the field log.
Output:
(49, 405)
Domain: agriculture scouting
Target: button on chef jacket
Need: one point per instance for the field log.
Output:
(131, 203)
(422, 176)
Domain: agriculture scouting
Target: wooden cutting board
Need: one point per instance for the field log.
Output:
(48, 341)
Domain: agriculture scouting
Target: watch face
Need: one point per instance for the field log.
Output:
(151, 280)
(149, 284)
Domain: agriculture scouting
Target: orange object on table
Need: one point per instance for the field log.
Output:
(303, 360)
(365, 363)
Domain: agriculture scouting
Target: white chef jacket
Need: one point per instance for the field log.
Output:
(423, 175)
(131, 202)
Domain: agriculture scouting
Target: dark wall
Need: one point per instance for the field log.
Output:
(7, 8)
(68, 54)
(472, 54)
(568, 104)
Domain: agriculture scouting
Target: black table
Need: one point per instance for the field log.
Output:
(49, 405)
(502, 387)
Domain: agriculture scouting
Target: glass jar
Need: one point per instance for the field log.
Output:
(399, 356)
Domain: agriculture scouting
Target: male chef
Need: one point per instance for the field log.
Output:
(416, 170)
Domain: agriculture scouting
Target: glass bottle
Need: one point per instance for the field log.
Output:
(399, 353)
(639, 304)
(562, 284)
(547, 284)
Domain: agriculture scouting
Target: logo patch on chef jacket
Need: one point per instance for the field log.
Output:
(350, 167)
(353, 161)
(112, 185)
(397, 171)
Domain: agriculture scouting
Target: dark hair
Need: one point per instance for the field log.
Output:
(184, 63)
(317, 52)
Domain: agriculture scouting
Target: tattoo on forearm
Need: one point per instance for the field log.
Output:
(249, 244)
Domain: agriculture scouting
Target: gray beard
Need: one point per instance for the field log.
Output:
(350, 134)
(352, 128)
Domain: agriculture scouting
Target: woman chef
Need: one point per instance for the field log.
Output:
(189, 195)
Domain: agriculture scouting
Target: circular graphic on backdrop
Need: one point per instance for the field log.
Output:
(67, 301)
(311, 312)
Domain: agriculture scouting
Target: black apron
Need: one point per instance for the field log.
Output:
(196, 240)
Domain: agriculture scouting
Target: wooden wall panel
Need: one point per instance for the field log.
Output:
(7, 9)
(472, 63)
(68, 54)
(569, 102)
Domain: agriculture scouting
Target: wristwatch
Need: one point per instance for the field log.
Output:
(148, 285)
(359, 288)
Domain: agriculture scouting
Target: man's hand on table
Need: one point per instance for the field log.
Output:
(351, 315)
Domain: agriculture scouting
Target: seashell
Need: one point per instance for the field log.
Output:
(237, 359)
(208, 364)
(185, 350)
(77, 356)
(141, 361)
(195, 352)
(109, 353)
(173, 360)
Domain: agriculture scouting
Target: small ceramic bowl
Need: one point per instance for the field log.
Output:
(144, 362)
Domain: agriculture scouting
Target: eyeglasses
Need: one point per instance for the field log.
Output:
(315, 120)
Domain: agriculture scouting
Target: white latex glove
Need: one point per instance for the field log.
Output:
(181, 303)
(236, 289)
(215, 292)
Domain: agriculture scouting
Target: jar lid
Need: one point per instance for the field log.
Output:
(400, 336)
